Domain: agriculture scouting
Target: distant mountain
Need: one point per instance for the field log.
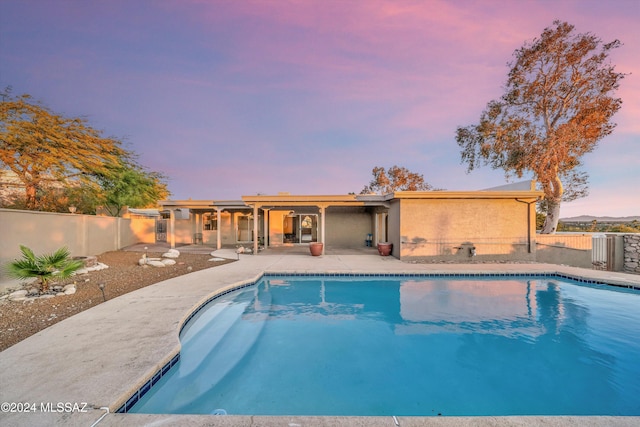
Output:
(590, 218)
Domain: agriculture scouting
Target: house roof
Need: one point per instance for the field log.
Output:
(524, 190)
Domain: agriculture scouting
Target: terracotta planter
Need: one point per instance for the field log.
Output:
(384, 248)
(316, 248)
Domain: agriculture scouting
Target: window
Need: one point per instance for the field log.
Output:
(244, 230)
(210, 221)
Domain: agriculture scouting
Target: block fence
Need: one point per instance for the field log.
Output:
(83, 235)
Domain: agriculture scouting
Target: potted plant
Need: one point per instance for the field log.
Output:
(316, 248)
(384, 248)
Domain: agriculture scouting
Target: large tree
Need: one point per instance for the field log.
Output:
(40, 146)
(395, 179)
(558, 104)
(130, 185)
(63, 161)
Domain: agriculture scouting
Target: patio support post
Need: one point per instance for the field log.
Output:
(384, 236)
(193, 218)
(322, 215)
(376, 229)
(172, 228)
(265, 227)
(218, 232)
(255, 229)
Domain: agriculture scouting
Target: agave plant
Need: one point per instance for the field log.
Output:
(45, 268)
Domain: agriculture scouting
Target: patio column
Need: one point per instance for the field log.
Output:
(384, 226)
(255, 229)
(322, 222)
(376, 229)
(172, 228)
(265, 227)
(218, 231)
(193, 217)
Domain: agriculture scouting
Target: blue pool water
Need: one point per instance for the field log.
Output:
(408, 346)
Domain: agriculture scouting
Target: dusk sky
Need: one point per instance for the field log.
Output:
(232, 98)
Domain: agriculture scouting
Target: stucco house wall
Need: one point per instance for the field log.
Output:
(450, 228)
(276, 227)
(347, 227)
(393, 228)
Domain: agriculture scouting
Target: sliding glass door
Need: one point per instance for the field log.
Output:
(300, 228)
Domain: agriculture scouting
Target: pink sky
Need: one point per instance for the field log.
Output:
(232, 98)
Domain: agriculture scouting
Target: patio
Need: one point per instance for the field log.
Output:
(103, 355)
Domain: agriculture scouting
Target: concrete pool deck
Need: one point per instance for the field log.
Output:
(103, 355)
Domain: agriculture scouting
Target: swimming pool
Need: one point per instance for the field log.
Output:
(408, 346)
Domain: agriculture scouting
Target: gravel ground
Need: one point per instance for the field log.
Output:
(20, 320)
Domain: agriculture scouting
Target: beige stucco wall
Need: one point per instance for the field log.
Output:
(184, 229)
(393, 228)
(276, 227)
(347, 227)
(447, 228)
(45, 232)
(143, 230)
(567, 249)
(228, 236)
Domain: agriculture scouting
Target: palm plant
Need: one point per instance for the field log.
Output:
(45, 268)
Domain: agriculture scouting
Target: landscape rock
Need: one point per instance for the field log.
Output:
(13, 296)
(96, 267)
(168, 262)
(631, 253)
(154, 263)
(171, 253)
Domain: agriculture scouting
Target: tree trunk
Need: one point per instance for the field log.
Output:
(31, 191)
(553, 216)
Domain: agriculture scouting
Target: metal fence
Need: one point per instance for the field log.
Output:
(600, 252)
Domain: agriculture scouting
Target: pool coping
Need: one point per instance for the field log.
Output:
(108, 353)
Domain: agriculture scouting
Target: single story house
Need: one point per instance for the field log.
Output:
(496, 224)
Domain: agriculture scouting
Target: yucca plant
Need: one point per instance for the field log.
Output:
(45, 268)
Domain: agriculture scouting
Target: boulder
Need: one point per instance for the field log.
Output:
(168, 261)
(171, 253)
(18, 294)
(154, 263)
(98, 266)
